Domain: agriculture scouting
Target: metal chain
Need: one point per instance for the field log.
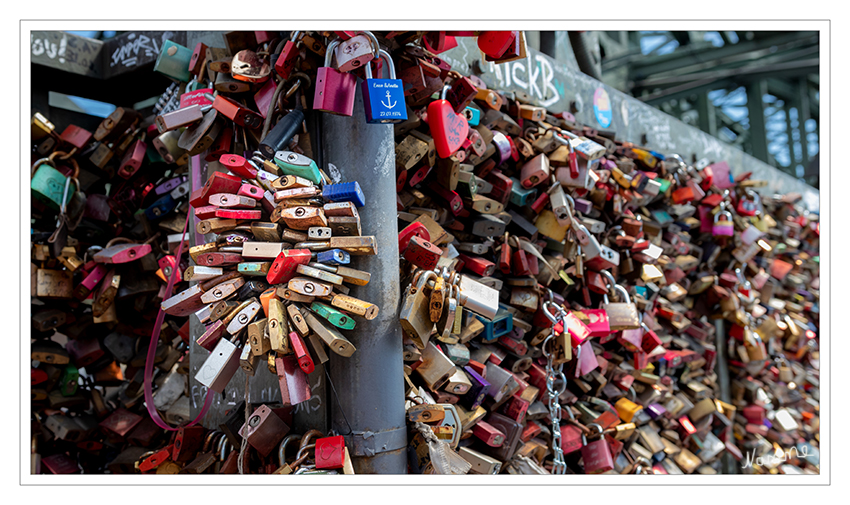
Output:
(559, 467)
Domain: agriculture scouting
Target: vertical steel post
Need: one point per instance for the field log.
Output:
(369, 403)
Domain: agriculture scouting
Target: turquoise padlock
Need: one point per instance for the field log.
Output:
(291, 163)
(173, 61)
(48, 185)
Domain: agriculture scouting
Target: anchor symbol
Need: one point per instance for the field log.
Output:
(388, 105)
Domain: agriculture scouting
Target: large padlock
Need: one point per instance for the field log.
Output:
(335, 90)
(448, 129)
(383, 99)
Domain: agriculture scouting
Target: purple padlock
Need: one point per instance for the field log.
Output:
(503, 146)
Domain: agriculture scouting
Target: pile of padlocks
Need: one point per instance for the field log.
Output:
(518, 224)
(107, 217)
(561, 290)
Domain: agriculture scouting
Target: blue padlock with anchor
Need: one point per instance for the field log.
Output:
(383, 99)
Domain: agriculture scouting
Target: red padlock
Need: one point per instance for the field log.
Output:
(488, 434)
(239, 214)
(505, 258)
(649, 341)
(219, 182)
(330, 453)
(461, 93)
(238, 165)
(495, 43)
(520, 263)
(477, 265)
(414, 229)
(286, 61)
(304, 359)
(422, 253)
(286, 263)
(448, 129)
(237, 113)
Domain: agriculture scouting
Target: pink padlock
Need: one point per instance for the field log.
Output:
(725, 228)
(598, 324)
(133, 159)
(335, 90)
(596, 455)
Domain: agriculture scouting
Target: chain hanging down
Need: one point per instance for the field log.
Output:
(553, 373)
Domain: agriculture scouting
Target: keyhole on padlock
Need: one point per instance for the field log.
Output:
(309, 288)
(426, 415)
(243, 318)
(254, 341)
(299, 211)
(255, 420)
(132, 253)
(343, 320)
(217, 293)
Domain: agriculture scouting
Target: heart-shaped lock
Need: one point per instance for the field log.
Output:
(448, 128)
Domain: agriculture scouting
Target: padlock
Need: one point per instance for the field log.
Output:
(335, 89)
(725, 228)
(448, 128)
(622, 315)
(383, 99)
(356, 51)
(415, 315)
(535, 171)
(748, 205)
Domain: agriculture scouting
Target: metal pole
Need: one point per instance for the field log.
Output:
(729, 466)
(758, 131)
(369, 403)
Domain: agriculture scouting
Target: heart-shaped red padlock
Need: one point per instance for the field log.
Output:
(448, 129)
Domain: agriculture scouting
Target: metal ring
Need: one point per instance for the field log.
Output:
(563, 385)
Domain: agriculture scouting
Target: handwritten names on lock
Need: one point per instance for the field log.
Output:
(453, 127)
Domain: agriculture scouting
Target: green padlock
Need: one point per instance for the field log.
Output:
(291, 163)
(173, 61)
(68, 381)
(48, 184)
(334, 316)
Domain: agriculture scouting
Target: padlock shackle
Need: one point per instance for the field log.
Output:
(329, 52)
(382, 55)
(376, 47)
(723, 213)
(284, 444)
(445, 90)
(294, 35)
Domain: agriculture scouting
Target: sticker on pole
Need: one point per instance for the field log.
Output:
(602, 108)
